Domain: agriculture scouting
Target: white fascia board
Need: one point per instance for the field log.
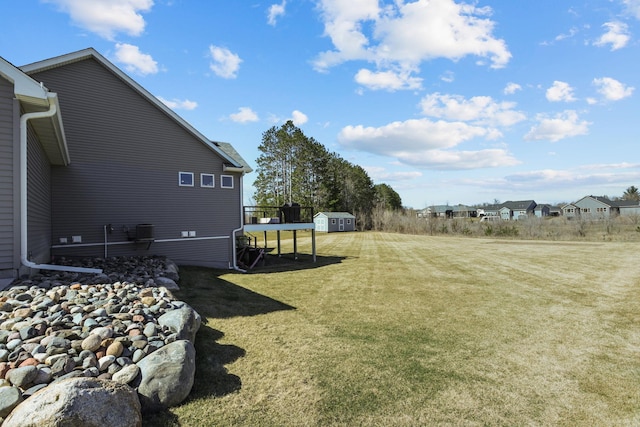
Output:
(24, 87)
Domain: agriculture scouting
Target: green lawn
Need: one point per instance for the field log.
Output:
(401, 330)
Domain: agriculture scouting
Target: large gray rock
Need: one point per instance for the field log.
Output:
(167, 283)
(10, 397)
(184, 321)
(87, 402)
(21, 377)
(166, 376)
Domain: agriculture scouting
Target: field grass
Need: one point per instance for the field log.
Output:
(400, 330)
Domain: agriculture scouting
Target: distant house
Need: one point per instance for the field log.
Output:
(334, 221)
(570, 211)
(442, 211)
(517, 210)
(542, 210)
(424, 213)
(463, 211)
(555, 210)
(630, 208)
(94, 165)
(596, 207)
(490, 210)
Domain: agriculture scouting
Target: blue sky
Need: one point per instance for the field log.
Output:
(446, 101)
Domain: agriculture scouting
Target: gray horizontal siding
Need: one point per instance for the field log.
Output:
(39, 201)
(125, 157)
(6, 175)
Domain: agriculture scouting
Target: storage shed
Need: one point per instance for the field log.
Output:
(334, 221)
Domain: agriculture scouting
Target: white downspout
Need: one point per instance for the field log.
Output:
(233, 233)
(23, 198)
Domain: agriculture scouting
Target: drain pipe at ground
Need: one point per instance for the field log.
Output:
(233, 233)
(23, 195)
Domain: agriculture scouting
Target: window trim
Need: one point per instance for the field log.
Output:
(180, 174)
(213, 180)
(222, 179)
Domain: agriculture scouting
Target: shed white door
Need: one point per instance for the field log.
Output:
(341, 224)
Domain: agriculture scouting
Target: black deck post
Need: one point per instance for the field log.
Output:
(295, 245)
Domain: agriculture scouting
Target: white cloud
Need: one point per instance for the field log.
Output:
(612, 89)
(572, 32)
(224, 63)
(244, 115)
(584, 176)
(276, 10)
(177, 104)
(459, 160)
(617, 35)
(299, 118)
(448, 77)
(477, 110)
(402, 35)
(425, 143)
(563, 125)
(388, 80)
(633, 6)
(107, 17)
(560, 91)
(135, 61)
(378, 173)
(512, 88)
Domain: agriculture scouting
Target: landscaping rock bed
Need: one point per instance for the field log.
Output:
(121, 326)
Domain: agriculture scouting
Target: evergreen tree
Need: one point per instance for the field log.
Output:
(631, 194)
(295, 168)
(387, 198)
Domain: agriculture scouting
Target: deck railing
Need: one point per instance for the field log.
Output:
(289, 213)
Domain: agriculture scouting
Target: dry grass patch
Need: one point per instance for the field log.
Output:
(401, 330)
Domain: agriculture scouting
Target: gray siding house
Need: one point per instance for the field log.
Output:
(570, 210)
(630, 208)
(517, 210)
(597, 207)
(108, 170)
(334, 221)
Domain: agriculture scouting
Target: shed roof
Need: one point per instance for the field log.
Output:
(335, 214)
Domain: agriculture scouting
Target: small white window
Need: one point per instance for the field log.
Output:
(333, 220)
(185, 179)
(348, 221)
(226, 181)
(207, 180)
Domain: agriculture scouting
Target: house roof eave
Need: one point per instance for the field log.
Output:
(92, 53)
(35, 97)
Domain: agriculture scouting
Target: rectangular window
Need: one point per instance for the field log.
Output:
(185, 179)
(333, 220)
(226, 181)
(348, 221)
(207, 180)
